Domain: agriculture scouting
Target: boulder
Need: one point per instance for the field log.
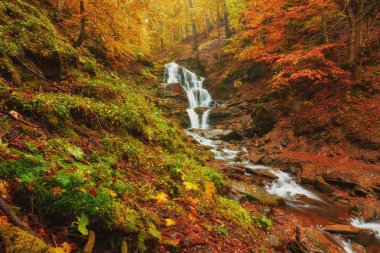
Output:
(366, 210)
(341, 179)
(173, 90)
(220, 112)
(323, 186)
(313, 240)
(219, 134)
(256, 159)
(201, 110)
(308, 174)
(360, 191)
(342, 229)
(357, 248)
(205, 147)
(359, 235)
(261, 173)
(256, 193)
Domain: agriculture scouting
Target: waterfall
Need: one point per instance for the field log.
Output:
(197, 96)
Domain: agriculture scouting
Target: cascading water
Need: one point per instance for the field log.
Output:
(193, 86)
(285, 186)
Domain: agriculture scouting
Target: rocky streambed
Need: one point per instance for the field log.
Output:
(306, 217)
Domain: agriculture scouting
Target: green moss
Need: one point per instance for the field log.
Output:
(234, 212)
(18, 241)
(24, 27)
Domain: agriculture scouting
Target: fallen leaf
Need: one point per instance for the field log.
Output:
(162, 198)
(193, 201)
(170, 222)
(193, 215)
(57, 191)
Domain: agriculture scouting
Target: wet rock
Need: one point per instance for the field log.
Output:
(231, 146)
(219, 134)
(313, 240)
(204, 147)
(359, 235)
(201, 110)
(308, 174)
(366, 210)
(359, 191)
(357, 248)
(261, 173)
(173, 90)
(323, 186)
(256, 193)
(340, 199)
(219, 112)
(238, 170)
(342, 229)
(256, 158)
(341, 179)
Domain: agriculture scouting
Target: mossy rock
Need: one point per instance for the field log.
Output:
(19, 241)
(8, 71)
(256, 193)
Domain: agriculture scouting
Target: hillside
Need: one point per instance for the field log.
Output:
(83, 149)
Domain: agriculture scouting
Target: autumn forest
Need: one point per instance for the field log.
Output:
(189, 126)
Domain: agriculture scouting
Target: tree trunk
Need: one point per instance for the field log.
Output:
(226, 20)
(218, 29)
(83, 22)
(195, 34)
(324, 26)
(352, 42)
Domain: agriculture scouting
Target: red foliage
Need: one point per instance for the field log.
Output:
(306, 66)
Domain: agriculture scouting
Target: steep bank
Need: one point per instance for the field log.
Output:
(85, 154)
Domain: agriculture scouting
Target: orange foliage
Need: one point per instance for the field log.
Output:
(306, 66)
(116, 27)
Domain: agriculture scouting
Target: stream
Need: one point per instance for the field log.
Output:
(312, 206)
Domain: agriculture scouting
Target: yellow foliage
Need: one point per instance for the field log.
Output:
(210, 190)
(193, 214)
(170, 222)
(162, 198)
(190, 186)
(193, 201)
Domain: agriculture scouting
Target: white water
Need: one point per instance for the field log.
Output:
(373, 226)
(346, 245)
(196, 94)
(285, 186)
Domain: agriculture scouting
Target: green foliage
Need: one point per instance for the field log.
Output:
(264, 222)
(154, 232)
(234, 212)
(24, 27)
(82, 223)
